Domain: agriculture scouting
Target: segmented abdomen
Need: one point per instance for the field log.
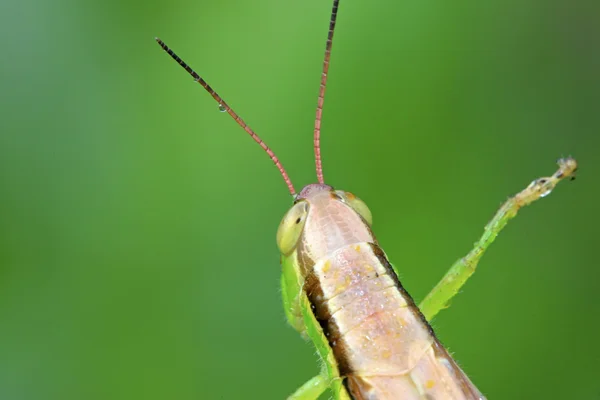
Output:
(383, 345)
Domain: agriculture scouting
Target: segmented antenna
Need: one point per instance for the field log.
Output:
(317, 139)
(225, 107)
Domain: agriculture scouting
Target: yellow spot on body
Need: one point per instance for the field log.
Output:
(386, 354)
(429, 384)
(345, 285)
(350, 196)
(357, 248)
(327, 266)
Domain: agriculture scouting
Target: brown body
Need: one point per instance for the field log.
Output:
(383, 345)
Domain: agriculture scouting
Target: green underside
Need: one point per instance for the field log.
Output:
(301, 317)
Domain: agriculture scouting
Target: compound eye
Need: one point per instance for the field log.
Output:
(357, 205)
(291, 226)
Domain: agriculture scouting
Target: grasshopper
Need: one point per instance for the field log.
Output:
(340, 290)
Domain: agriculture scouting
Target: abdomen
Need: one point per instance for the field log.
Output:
(384, 347)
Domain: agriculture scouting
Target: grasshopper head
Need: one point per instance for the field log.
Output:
(323, 220)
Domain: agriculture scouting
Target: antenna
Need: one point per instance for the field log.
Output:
(225, 107)
(317, 139)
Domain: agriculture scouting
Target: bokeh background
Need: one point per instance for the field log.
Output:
(137, 222)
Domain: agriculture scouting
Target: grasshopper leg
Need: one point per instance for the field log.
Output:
(462, 269)
(312, 389)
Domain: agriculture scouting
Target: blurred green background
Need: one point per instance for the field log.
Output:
(137, 223)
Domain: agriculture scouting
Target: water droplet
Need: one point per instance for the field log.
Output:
(222, 108)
